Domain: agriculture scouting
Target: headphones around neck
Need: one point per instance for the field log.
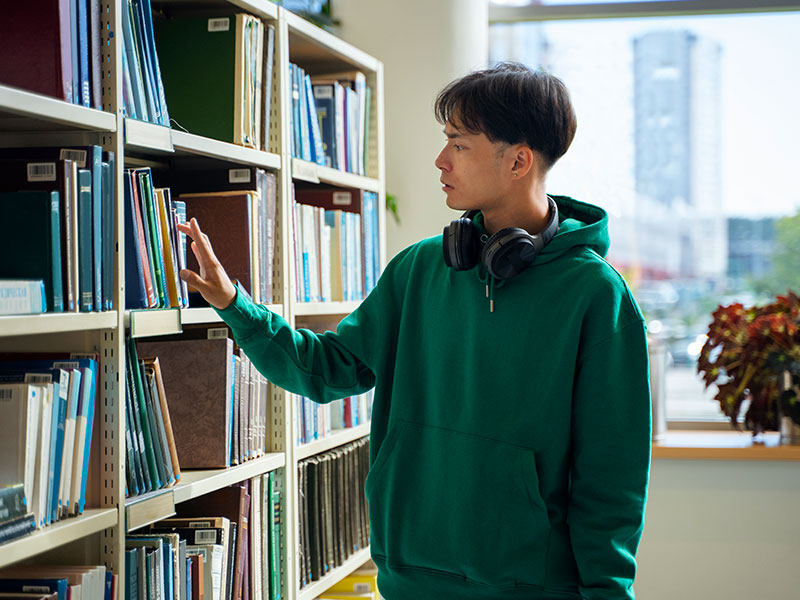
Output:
(505, 254)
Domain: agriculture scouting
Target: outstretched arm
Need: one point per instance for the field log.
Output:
(212, 282)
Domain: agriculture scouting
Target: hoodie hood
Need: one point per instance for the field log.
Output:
(580, 224)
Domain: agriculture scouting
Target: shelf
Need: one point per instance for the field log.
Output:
(56, 323)
(25, 111)
(148, 136)
(314, 589)
(302, 309)
(197, 483)
(196, 145)
(92, 521)
(261, 8)
(313, 173)
(722, 445)
(148, 508)
(194, 316)
(318, 51)
(153, 321)
(339, 438)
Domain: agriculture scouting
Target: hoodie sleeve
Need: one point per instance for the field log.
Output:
(322, 367)
(610, 460)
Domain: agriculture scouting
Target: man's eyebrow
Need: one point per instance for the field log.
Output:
(453, 136)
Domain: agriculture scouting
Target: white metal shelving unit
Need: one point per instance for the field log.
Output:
(32, 119)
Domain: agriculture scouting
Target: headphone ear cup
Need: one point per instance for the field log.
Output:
(508, 252)
(461, 245)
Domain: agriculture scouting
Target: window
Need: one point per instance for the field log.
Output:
(687, 129)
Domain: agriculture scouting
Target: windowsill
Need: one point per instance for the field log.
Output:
(723, 445)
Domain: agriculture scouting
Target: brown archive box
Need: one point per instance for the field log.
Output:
(197, 378)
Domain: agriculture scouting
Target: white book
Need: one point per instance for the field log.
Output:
(22, 296)
(256, 560)
(67, 457)
(212, 568)
(325, 259)
(41, 488)
(19, 426)
(81, 422)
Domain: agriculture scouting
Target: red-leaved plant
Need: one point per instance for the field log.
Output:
(747, 352)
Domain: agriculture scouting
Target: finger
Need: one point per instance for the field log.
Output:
(184, 228)
(193, 279)
(201, 246)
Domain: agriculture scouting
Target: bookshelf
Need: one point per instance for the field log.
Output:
(29, 119)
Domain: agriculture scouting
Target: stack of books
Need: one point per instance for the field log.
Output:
(46, 425)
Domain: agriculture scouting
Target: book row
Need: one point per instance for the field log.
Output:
(217, 74)
(238, 216)
(335, 240)
(333, 509)
(66, 59)
(47, 415)
(67, 195)
(318, 421)
(330, 119)
(193, 401)
(226, 545)
(59, 582)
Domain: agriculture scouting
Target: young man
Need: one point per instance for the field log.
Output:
(510, 437)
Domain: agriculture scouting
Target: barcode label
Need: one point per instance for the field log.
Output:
(239, 176)
(218, 333)
(38, 378)
(78, 156)
(205, 536)
(41, 171)
(35, 589)
(361, 588)
(342, 198)
(66, 365)
(199, 524)
(6, 394)
(223, 24)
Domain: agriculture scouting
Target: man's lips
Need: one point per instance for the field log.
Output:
(445, 186)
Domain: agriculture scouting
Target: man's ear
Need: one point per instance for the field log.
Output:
(525, 161)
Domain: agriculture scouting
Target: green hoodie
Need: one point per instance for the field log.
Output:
(509, 449)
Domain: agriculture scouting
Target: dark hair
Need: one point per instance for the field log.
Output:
(512, 103)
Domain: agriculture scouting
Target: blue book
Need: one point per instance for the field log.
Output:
(150, 46)
(132, 574)
(144, 59)
(134, 64)
(85, 262)
(305, 135)
(95, 164)
(109, 216)
(109, 582)
(43, 586)
(77, 97)
(83, 53)
(326, 115)
(317, 152)
(296, 144)
(135, 290)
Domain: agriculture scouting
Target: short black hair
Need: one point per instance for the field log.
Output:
(514, 104)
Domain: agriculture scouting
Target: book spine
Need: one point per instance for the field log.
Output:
(12, 502)
(97, 225)
(17, 528)
(85, 239)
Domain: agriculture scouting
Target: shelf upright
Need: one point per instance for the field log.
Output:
(112, 347)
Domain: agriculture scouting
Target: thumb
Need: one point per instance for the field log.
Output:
(193, 279)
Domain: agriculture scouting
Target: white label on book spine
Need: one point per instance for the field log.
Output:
(217, 333)
(66, 365)
(222, 24)
(239, 176)
(323, 92)
(41, 171)
(205, 536)
(78, 156)
(38, 378)
(6, 394)
(342, 198)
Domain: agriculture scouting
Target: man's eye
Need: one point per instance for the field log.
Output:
(458, 147)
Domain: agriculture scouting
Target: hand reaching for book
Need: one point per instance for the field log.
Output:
(212, 282)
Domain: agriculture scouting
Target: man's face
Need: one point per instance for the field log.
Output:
(471, 169)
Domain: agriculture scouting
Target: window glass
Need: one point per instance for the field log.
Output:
(687, 136)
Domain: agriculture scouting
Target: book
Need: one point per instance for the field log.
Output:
(197, 377)
(46, 66)
(153, 368)
(22, 296)
(228, 218)
(12, 501)
(24, 256)
(20, 407)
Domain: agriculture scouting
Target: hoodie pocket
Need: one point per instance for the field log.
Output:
(458, 504)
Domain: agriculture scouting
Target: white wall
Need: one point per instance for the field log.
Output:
(424, 45)
(719, 529)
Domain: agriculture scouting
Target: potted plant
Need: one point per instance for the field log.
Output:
(754, 354)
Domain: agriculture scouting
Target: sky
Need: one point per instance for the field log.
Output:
(760, 78)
